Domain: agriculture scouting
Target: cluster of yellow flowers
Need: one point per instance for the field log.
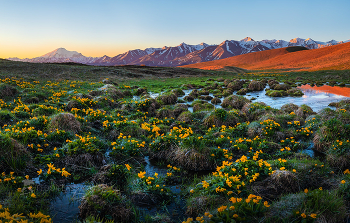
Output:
(9, 179)
(50, 108)
(3, 104)
(86, 101)
(181, 132)
(20, 83)
(132, 141)
(94, 113)
(285, 148)
(244, 140)
(53, 169)
(250, 200)
(305, 131)
(141, 174)
(173, 167)
(20, 106)
(338, 143)
(295, 123)
(303, 215)
(20, 218)
(269, 126)
(154, 129)
(291, 140)
(146, 126)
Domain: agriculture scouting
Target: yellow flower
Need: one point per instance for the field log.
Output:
(65, 173)
(141, 174)
(313, 215)
(199, 218)
(205, 184)
(343, 181)
(27, 177)
(233, 200)
(192, 191)
(320, 188)
(266, 204)
(303, 215)
(306, 190)
(222, 208)
(235, 216)
(128, 166)
(33, 195)
(40, 171)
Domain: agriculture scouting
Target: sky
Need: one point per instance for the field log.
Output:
(31, 28)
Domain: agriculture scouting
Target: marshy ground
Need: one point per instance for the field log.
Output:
(152, 144)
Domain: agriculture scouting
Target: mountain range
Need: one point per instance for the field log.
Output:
(180, 55)
(336, 57)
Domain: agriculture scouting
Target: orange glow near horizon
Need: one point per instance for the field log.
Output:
(344, 91)
(23, 52)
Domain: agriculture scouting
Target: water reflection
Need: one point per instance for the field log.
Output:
(65, 208)
(314, 97)
(317, 98)
(342, 91)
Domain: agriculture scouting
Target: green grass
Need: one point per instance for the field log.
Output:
(59, 118)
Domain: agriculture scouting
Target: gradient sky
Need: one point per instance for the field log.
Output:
(31, 28)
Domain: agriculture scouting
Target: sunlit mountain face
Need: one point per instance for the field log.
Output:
(291, 58)
(183, 54)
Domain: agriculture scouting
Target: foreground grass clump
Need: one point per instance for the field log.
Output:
(310, 205)
(105, 202)
(14, 156)
(140, 151)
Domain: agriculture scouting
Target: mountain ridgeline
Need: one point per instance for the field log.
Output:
(180, 55)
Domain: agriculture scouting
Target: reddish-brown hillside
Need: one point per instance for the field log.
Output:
(333, 57)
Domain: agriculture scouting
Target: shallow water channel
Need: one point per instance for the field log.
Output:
(317, 98)
(65, 207)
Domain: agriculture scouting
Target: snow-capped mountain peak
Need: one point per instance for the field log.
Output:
(62, 53)
(332, 42)
(297, 40)
(247, 39)
(309, 40)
